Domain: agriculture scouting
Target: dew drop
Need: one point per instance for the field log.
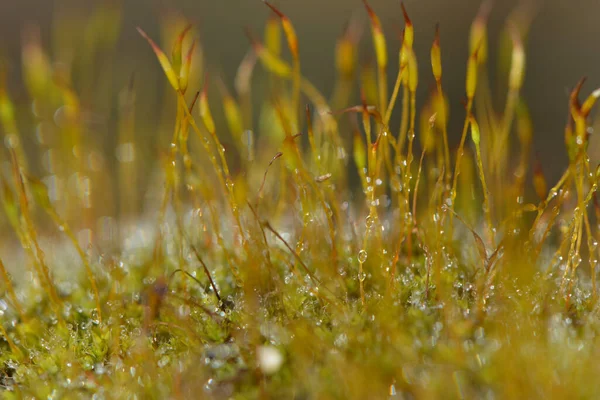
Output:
(362, 256)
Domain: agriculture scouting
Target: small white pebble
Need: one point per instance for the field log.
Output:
(269, 359)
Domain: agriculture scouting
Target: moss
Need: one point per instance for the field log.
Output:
(326, 255)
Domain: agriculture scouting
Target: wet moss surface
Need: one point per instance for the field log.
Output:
(292, 244)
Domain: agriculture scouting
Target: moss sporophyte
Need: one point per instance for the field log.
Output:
(269, 240)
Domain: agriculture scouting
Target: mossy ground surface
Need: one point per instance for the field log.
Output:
(346, 249)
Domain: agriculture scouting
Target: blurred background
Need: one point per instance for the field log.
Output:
(561, 48)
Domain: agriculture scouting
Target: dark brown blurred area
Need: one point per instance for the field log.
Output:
(562, 46)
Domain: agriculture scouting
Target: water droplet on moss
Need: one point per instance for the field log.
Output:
(362, 256)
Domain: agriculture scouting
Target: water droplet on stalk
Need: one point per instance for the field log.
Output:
(362, 256)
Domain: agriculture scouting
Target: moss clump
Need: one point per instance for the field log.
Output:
(339, 250)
